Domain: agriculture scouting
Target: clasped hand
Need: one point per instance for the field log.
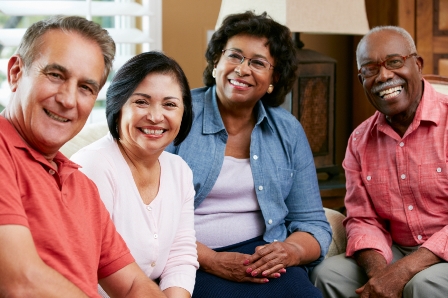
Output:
(268, 261)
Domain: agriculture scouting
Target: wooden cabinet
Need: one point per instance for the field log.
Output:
(313, 104)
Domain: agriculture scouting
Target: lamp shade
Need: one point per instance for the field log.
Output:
(310, 16)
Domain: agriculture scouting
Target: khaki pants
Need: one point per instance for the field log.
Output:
(339, 277)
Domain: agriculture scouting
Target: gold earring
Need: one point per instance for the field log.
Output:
(270, 89)
(214, 72)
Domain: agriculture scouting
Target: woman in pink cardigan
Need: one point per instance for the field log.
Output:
(148, 192)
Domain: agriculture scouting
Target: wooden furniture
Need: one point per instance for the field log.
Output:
(332, 191)
(313, 104)
(440, 83)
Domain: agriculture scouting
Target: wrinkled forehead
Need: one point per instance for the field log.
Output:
(380, 45)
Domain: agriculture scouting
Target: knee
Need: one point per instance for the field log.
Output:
(427, 283)
(326, 270)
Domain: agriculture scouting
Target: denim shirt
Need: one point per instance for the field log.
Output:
(281, 161)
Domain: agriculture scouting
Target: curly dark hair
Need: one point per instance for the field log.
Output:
(132, 73)
(280, 43)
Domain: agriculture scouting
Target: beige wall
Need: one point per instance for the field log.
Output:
(185, 25)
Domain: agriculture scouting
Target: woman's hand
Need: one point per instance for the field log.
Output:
(270, 260)
(230, 265)
(227, 265)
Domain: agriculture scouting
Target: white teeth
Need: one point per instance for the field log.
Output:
(236, 83)
(152, 131)
(395, 91)
(56, 117)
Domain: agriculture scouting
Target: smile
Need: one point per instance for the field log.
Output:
(239, 84)
(55, 117)
(152, 131)
(391, 92)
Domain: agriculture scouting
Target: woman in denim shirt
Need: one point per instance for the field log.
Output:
(259, 219)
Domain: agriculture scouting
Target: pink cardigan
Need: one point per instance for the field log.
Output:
(160, 235)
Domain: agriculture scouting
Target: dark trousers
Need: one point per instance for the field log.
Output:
(294, 283)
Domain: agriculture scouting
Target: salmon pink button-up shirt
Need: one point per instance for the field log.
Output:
(397, 187)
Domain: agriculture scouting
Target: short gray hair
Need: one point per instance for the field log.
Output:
(31, 41)
(411, 44)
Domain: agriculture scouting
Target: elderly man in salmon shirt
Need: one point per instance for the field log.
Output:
(397, 183)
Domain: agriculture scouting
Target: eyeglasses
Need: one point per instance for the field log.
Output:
(391, 63)
(255, 64)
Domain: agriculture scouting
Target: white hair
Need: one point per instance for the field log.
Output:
(411, 45)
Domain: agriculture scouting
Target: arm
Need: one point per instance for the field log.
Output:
(391, 279)
(365, 229)
(176, 292)
(22, 271)
(179, 272)
(130, 281)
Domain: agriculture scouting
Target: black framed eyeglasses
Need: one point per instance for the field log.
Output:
(391, 63)
(256, 64)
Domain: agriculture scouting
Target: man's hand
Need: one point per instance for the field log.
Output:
(390, 280)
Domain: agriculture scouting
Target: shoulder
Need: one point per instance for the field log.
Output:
(364, 131)
(96, 152)
(284, 123)
(173, 161)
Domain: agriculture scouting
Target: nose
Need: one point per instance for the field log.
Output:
(245, 66)
(384, 74)
(155, 114)
(67, 95)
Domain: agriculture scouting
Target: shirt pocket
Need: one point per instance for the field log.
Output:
(285, 179)
(433, 186)
(378, 189)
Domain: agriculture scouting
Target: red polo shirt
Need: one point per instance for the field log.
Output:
(70, 226)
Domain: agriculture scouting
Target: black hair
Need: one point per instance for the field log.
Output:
(281, 48)
(132, 73)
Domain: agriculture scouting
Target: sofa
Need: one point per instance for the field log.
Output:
(93, 131)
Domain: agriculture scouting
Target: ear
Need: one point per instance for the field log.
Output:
(15, 71)
(275, 78)
(419, 63)
(360, 79)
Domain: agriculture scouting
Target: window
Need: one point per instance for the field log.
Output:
(135, 26)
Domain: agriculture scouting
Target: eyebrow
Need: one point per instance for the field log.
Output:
(149, 96)
(257, 56)
(54, 66)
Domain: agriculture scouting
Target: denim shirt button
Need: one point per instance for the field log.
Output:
(255, 157)
(270, 221)
(260, 187)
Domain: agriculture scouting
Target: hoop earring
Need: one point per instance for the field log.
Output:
(214, 72)
(270, 89)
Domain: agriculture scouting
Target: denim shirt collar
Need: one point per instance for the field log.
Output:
(212, 117)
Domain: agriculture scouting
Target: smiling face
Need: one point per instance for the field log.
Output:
(52, 100)
(395, 93)
(249, 86)
(151, 118)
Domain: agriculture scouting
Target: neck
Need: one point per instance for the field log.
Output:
(401, 122)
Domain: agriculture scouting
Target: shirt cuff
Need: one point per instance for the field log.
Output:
(437, 244)
(355, 244)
